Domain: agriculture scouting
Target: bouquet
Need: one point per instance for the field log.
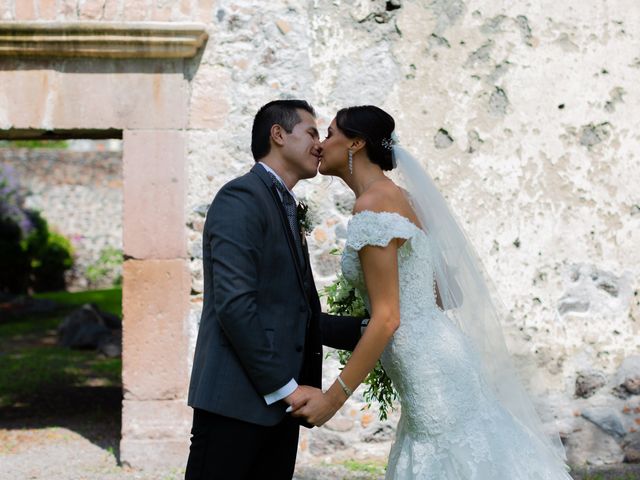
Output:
(344, 299)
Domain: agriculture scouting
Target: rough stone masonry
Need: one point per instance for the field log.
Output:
(525, 114)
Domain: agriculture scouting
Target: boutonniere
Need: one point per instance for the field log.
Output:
(304, 224)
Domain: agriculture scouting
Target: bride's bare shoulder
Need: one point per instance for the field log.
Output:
(385, 196)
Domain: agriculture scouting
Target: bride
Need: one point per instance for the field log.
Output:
(433, 325)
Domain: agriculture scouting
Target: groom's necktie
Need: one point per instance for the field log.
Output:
(289, 206)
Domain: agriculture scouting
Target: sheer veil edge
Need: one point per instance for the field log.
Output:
(466, 298)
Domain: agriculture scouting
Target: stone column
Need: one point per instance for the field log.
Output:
(157, 284)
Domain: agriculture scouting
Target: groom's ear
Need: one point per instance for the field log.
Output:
(277, 134)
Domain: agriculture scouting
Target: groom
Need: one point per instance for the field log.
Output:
(260, 338)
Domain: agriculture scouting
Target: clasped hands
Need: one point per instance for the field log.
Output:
(314, 405)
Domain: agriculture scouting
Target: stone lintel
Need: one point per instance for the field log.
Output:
(101, 39)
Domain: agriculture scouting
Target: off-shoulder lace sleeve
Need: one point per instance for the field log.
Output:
(377, 229)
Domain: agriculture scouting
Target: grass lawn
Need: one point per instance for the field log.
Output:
(107, 300)
(32, 365)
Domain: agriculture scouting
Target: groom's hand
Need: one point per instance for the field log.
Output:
(319, 407)
(299, 397)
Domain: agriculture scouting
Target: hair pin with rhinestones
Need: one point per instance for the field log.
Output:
(387, 143)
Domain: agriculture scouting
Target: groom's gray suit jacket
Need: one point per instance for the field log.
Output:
(261, 322)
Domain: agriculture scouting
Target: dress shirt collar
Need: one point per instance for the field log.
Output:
(272, 171)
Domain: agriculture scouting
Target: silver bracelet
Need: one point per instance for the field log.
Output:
(346, 389)
(363, 325)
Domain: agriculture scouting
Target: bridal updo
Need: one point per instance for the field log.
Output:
(374, 126)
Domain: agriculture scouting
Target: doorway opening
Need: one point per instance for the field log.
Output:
(61, 201)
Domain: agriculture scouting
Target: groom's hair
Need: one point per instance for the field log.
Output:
(277, 112)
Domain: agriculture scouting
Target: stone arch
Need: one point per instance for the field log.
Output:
(85, 79)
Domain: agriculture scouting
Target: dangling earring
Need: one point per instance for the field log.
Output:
(350, 162)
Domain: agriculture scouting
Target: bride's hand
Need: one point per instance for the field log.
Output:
(320, 407)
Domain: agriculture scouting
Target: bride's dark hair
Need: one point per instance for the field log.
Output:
(374, 126)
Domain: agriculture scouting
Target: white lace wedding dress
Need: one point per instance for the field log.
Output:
(451, 426)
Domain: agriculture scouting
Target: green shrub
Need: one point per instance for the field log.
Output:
(108, 265)
(57, 144)
(14, 262)
(50, 255)
(32, 258)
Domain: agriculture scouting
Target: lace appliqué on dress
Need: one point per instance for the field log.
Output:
(451, 425)
(378, 229)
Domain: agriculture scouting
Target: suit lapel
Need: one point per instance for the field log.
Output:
(268, 182)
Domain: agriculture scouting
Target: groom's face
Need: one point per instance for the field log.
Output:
(301, 149)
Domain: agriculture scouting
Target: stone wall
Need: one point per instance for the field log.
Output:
(79, 193)
(524, 113)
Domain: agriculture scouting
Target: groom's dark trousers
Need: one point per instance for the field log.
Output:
(226, 448)
(261, 326)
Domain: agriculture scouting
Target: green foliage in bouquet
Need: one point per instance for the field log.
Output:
(344, 299)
